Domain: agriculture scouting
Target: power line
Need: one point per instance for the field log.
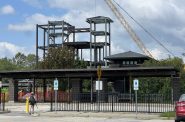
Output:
(149, 33)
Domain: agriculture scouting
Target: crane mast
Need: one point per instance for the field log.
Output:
(128, 28)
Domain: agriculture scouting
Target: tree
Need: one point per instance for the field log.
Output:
(86, 85)
(80, 64)
(162, 85)
(20, 60)
(24, 62)
(59, 58)
(30, 61)
(7, 64)
(62, 58)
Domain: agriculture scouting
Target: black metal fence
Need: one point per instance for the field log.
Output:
(113, 102)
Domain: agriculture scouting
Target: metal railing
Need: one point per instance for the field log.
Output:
(112, 102)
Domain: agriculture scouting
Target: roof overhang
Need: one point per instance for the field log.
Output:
(87, 73)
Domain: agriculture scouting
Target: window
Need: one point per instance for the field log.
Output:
(124, 62)
(131, 62)
(128, 62)
(135, 62)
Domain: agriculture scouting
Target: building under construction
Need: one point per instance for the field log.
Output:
(118, 74)
(58, 33)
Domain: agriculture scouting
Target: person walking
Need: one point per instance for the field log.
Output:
(32, 103)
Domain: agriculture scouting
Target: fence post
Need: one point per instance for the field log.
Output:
(3, 101)
(78, 100)
(51, 101)
(112, 103)
(0, 99)
(148, 103)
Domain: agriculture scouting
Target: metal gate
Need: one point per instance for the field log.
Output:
(113, 102)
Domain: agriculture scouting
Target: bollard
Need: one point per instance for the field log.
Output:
(27, 105)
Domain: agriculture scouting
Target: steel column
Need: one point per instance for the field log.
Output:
(105, 41)
(37, 58)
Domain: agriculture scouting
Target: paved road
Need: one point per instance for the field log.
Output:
(8, 118)
(19, 116)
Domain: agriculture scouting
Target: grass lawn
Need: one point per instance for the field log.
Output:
(168, 114)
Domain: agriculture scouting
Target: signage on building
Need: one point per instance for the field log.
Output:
(56, 84)
(136, 84)
(99, 85)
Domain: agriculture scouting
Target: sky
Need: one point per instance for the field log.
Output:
(163, 18)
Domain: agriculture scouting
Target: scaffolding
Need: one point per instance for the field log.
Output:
(58, 33)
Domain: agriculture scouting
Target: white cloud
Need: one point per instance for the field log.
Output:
(8, 9)
(165, 18)
(21, 27)
(165, 22)
(9, 50)
(159, 54)
(31, 21)
(116, 49)
(74, 17)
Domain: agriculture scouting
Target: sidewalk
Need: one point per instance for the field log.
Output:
(101, 114)
(44, 111)
(21, 107)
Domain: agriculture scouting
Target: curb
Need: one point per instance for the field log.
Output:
(102, 115)
(4, 112)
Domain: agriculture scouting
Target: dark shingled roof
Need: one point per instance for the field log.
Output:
(127, 55)
(99, 19)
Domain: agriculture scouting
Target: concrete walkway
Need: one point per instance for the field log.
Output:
(43, 110)
(101, 114)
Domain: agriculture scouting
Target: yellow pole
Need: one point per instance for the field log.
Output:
(27, 105)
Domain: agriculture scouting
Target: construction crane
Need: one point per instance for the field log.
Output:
(128, 27)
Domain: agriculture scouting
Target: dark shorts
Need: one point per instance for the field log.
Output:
(32, 104)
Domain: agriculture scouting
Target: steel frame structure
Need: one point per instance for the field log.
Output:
(58, 33)
(106, 33)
